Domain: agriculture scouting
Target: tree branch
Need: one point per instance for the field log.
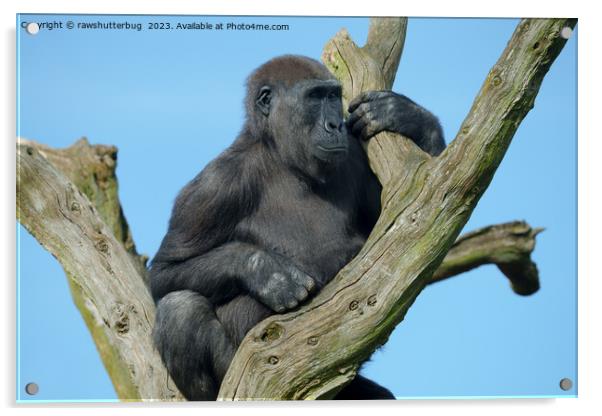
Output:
(314, 351)
(82, 163)
(106, 283)
(509, 246)
(92, 171)
(311, 352)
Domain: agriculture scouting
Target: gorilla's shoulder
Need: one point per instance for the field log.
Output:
(232, 179)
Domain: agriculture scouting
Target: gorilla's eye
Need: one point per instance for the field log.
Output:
(314, 94)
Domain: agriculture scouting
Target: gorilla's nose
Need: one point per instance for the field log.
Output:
(332, 126)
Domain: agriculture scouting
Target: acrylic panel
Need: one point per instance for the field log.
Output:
(168, 93)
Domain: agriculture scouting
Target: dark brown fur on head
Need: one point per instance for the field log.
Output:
(278, 73)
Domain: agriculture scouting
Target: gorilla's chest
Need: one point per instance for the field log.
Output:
(320, 236)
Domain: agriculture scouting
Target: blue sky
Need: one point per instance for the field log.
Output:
(172, 101)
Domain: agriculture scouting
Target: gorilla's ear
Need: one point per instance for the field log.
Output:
(264, 97)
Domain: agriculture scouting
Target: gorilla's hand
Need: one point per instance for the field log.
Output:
(276, 282)
(375, 111)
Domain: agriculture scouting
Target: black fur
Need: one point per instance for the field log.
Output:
(273, 218)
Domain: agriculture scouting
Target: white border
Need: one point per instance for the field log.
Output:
(589, 169)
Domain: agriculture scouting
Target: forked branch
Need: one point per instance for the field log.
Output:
(67, 198)
(314, 351)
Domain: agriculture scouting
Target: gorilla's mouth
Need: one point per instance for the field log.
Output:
(331, 155)
(333, 149)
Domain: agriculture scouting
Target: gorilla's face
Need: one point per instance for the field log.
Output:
(319, 103)
(306, 121)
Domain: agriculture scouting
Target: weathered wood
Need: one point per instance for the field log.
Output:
(366, 299)
(105, 282)
(82, 158)
(313, 351)
(509, 246)
(92, 171)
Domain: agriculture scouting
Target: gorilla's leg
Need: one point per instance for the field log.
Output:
(363, 389)
(193, 344)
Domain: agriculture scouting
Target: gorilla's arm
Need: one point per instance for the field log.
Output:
(232, 269)
(199, 253)
(376, 111)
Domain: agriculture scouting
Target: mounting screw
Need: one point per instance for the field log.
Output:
(566, 384)
(32, 389)
(32, 28)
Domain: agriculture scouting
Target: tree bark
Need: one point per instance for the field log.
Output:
(45, 201)
(106, 282)
(508, 246)
(312, 352)
(92, 170)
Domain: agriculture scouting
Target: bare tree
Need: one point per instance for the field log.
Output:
(67, 199)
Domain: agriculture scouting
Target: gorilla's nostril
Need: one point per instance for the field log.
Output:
(332, 126)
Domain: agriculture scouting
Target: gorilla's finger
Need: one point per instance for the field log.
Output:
(301, 293)
(368, 119)
(365, 134)
(362, 98)
(309, 283)
(357, 114)
(359, 126)
(370, 130)
(303, 280)
(292, 303)
(356, 102)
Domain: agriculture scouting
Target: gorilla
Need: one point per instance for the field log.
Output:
(273, 218)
